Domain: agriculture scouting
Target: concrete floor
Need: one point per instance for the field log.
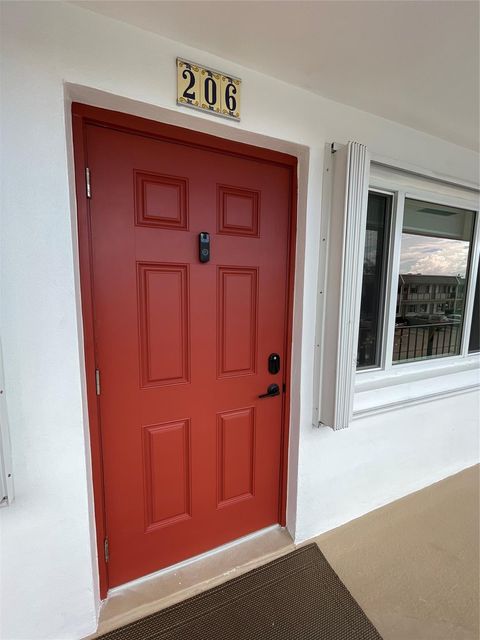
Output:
(413, 566)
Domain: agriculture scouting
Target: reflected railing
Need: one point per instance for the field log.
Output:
(419, 341)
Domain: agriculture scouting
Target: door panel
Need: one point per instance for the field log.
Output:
(237, 321)
(167, 463)
(236, 455)
(191, 455)
(164, 348)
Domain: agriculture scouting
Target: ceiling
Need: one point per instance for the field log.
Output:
(415, 61)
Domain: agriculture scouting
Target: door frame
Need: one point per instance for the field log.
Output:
(82, 115)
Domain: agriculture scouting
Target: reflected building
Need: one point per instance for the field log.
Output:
(427, 295)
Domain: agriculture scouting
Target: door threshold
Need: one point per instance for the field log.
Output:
(156, 591)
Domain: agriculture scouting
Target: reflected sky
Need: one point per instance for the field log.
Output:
(433, 256)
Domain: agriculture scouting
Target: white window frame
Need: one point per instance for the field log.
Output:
(341, 392)
(387, 386)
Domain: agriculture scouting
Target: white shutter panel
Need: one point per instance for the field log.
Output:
(340, 280)
(6, 480)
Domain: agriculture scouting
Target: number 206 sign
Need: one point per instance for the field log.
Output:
(208, 90)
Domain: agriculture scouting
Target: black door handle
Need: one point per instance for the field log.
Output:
(272, 390)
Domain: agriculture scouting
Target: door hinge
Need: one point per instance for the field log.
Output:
(97, 381)
(87, 182)
(105, 550)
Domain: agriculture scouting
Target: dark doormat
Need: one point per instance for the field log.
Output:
(296, 597)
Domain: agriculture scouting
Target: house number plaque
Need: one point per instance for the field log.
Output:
(208, 90)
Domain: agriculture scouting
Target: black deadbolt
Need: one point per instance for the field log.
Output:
(273, 363)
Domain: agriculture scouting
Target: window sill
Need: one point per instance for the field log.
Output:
(414, 383)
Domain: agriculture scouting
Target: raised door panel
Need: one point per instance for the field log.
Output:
(166, 453)
(161, 201)
(238, 211)
(164, 323)
(237, 321)
(236, 455)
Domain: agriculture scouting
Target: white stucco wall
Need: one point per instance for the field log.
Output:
(48, 570)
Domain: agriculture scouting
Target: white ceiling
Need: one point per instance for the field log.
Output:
(415, 61)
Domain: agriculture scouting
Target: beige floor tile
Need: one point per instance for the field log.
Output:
(413, 565)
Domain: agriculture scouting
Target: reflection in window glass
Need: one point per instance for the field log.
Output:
(474, 344)
(373, 284)
(432, 282)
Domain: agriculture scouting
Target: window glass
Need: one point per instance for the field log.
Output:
(474, 344)
(434, 258)
(373, 284)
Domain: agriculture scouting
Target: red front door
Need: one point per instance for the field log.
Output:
(191, 454)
